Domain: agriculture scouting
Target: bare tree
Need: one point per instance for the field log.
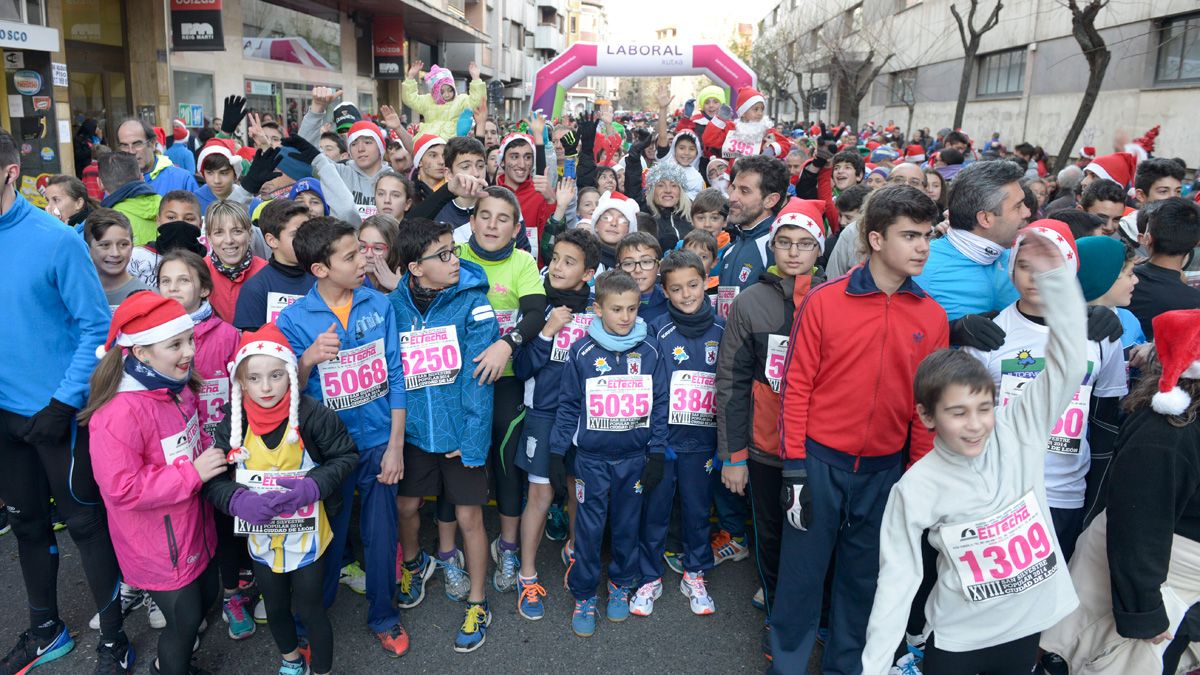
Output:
(970, 37)
(806, 94)
(1083, 28)
(770, 61)
(855, 72)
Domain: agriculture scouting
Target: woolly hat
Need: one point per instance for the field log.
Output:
(309, 185)
(145, 318)
(746, 98)
(179, 130)
(669, 171)
(345, 114)
(514, 137)
(1058, 233)
(884, 153)
(365, 129)
(222, 147)
(806, 214)
(292, 166)
(1101, 260)
(882, 170)
(179, 234)
(618, 201)
(1118, 167)
(266, 341)
(914, 153)
(422, 145)
(1177, 339)
(1147, 142)
(711, 91)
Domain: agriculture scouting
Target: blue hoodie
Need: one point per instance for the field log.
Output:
(961, 285)
(455, 416)
(165, 177)
(52, 300)
(371, 321)
(688, 428)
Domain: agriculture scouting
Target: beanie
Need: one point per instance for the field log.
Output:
(435, 78)
(179, 234)
(266, 341)
(711, 91)
(668, 171)
(292, 166)
(1101, 260)
(145, 318)
(309, 185)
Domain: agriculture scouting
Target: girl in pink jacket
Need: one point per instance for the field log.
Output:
(151, 457)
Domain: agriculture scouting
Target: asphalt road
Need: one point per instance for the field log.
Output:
(673, 640)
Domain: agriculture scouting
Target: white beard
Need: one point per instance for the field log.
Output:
(752, 131)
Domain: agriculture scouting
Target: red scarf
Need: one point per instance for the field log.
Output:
(262, 420)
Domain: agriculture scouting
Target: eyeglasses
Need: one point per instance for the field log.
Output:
(443, 256)
(631, 265)
(915, 182)
(802, 245)
(132, 147)
(378, 249)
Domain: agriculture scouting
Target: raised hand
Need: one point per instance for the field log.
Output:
(414, 70)
(473, 70)
(391, 119)
(322, 97)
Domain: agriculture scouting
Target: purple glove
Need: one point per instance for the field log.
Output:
(252, 507)
(300, 492)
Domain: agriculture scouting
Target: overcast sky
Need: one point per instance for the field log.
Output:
(637, 19)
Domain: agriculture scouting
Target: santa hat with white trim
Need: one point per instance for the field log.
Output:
(1118, 167)
(1058, 233)
(365, 129)
(914, 153)
(143, 319)
(1177, 339)
(179, 130)
(422, 145)
(806, 214)
(746, 98)
(618, 201)
(266, 341)
(222, 147)
(515, 137)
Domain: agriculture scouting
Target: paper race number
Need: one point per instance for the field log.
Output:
(277, 302)
(568, 335)
(1067, 436)
(725, 297)
(507, 318)
(303, 521)
(356, 377)
(431, 357)
(739, 147)
(213, 394)
(183, 446)
(618, 402)
(777, 347)
(692, 394)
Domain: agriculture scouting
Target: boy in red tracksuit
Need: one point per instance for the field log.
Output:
(847, 419)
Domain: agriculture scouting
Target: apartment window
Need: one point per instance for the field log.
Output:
(574, 25)
(1001, 73)
(853, 20)
(1179, 50)
(903, 87)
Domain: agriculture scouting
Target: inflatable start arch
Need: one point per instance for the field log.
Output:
(584, 59)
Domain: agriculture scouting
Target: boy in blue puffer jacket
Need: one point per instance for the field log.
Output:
(614, 406)
(445, 321)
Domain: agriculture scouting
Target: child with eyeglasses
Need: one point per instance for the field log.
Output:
(638, 254)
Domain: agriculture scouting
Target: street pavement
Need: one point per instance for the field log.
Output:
(672, 640)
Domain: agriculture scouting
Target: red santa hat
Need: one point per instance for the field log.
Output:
(746, 98)
(1177, 339)
(266, 341)
(422, 145)
(515, 137)
(618, 201)
(222, 147)
(160, 135)
(1147, 142)
(1058, 233)
(1087, 152)
(806, 214)
(1118, 167)
(914, 153)
(365, 129)
(179, 130)
(143, 319)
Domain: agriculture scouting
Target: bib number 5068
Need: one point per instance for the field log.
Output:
(1003, 561)
(633, 404)
(349, 381)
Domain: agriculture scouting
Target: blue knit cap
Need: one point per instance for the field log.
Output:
(309, 185)
(1101, 260)
(293, 167)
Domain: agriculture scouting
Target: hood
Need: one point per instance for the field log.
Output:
(206, 326)
(526, 185)
(160, 162)
(135, 188)
(699, 148)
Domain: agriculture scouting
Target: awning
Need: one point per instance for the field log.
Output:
(28, 36)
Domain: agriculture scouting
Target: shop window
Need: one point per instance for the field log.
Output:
(1179, 50)
(310, 36)
(194, 100)
(94, 21)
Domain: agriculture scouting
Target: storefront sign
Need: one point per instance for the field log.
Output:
(388, 41)
(26, 36)
(256, 88)
(59, 71)
(196, 26)
(28, 82)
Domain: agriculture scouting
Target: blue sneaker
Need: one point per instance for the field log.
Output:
(583, 621)
(294, 667)
(410, 587)
(529, 598)
(32, 651)
(557, 526)
(508, 564)
(674, 561)
(234, 611)
(618, 602)
(473, 631)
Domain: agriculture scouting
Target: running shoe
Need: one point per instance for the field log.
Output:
(156, 617)
(618, 602)
(241, 624)
(692, 585)
(114, 658)
(906, 665)
(32, 651)
(529, 598)
(411, 583)
(394, 641)
(454, 576)
(674, 561)
(643, 601)
(557, 524)
(726, 547)
(55, 519)
(1052, 663)
(473, 631)
(294, 667)
(508, 564)
(5, 527)
(759, 600)
(583, 620)
(131, 599)
(354, 578)
(260, 611)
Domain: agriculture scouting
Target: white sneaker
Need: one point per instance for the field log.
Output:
(131, 599)
(692, 585)
(157, 620)
(759, 600)
(260, 611)
(643, 600)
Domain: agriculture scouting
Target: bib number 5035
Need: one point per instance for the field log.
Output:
(349, 381)
(632, 404)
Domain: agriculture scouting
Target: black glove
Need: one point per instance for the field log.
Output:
(796, 498)
(558, 474)
(652, 474)
(570, 143)
(261, 170)
(305, 152)
(1103, 324)
(50, 425)
(235, 111)
(978, 331)
(587, 132)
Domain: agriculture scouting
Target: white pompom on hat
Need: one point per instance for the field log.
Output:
(1177, 339)
(266, 341)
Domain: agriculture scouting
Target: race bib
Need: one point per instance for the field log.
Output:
(725, 296)
(692, 393)
(277, 302)
(777, 347)
(303, 521)
(532, 234)
(618, 402)
(366, 210)
(213, 394)
(507, 318)
(431, 357)
(568, 335)
(183, 446)
(356, 377)
(1006, 553)
(739, 147)
(1067, 436)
